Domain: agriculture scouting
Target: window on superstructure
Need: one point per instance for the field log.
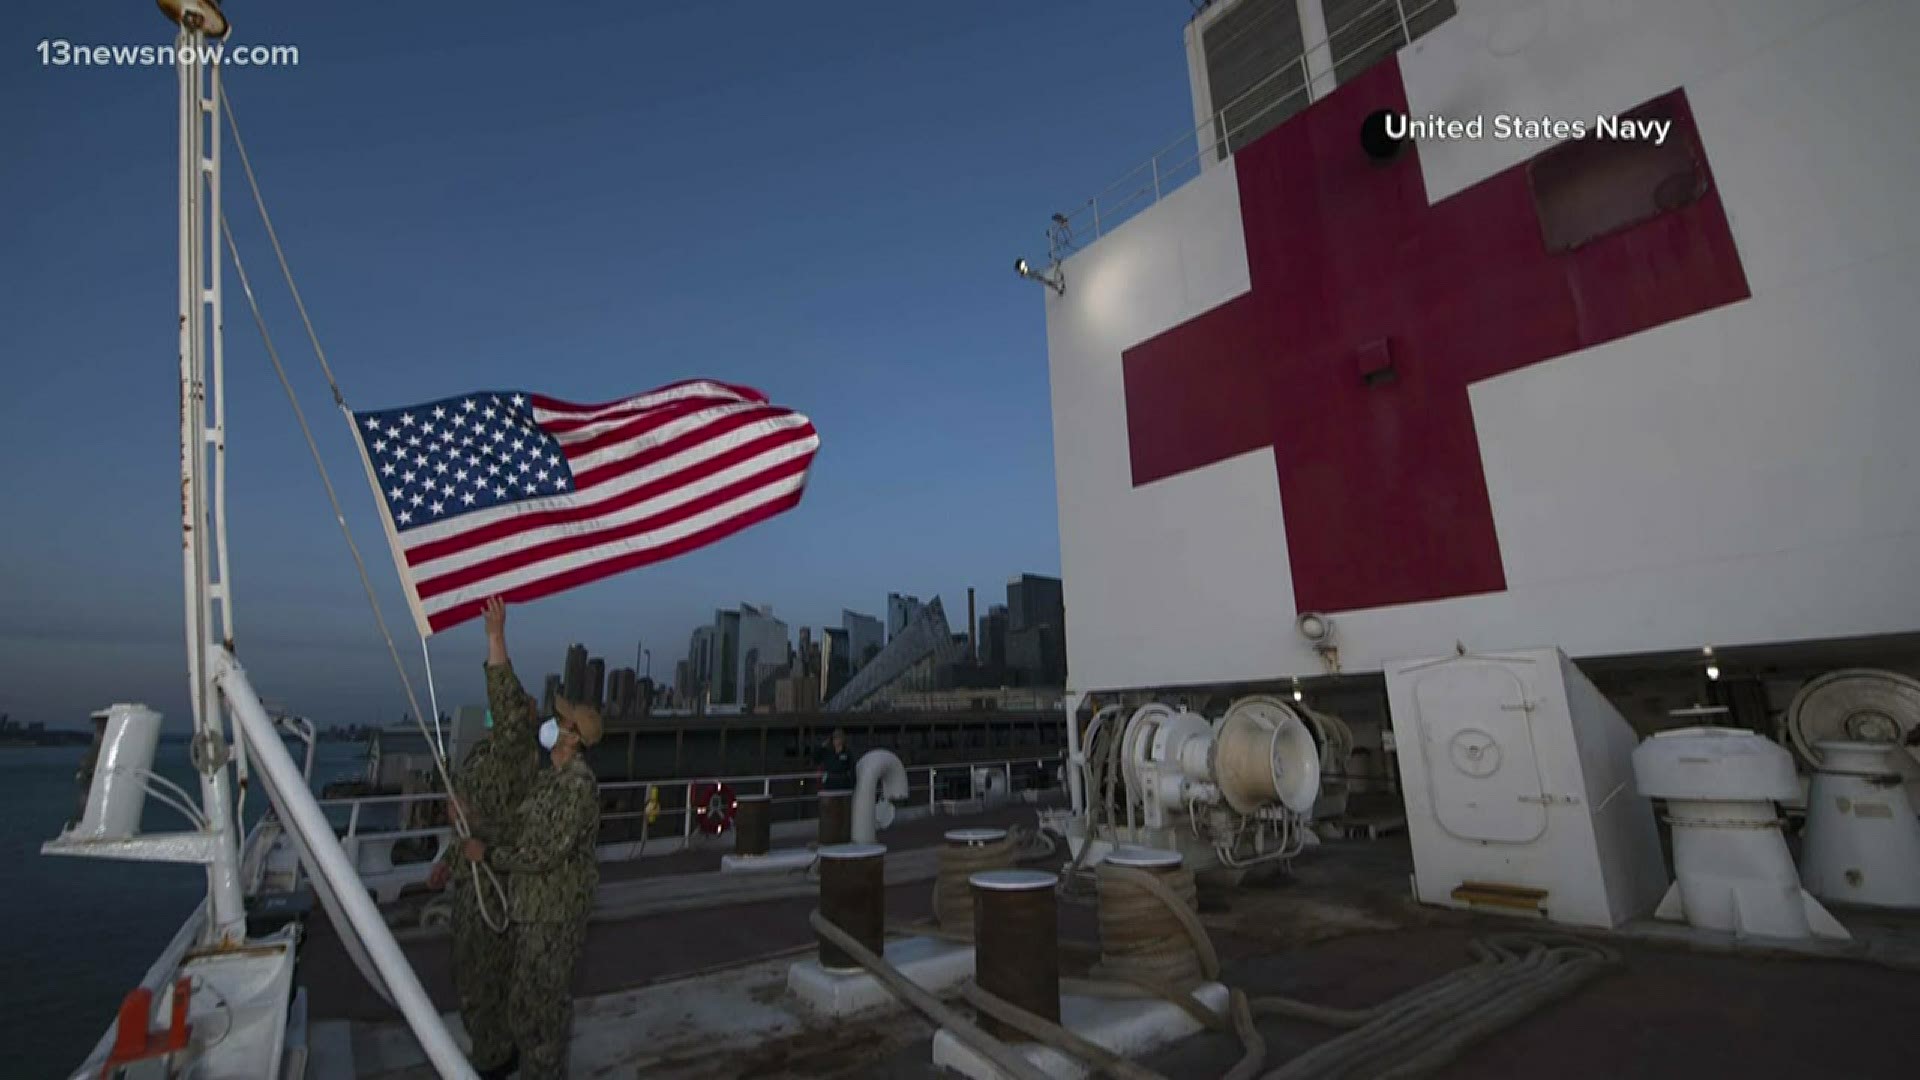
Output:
(1253, 53)
(1361, 33)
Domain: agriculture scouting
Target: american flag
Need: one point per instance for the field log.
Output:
(514, 494)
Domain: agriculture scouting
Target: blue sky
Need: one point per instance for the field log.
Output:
(819, 200)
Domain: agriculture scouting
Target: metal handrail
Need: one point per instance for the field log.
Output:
(686, 808)
(1104, 211)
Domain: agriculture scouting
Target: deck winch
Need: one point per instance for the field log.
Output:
(1234, 792)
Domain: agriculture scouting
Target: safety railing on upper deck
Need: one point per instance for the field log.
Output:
(1183, 159)
(392, 855)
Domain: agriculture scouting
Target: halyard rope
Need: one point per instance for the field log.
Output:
(461, 828)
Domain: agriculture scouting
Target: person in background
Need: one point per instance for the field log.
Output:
(836, 763)
(495, 776)
(548, 856)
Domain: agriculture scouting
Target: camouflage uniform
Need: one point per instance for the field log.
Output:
(552, 877)
(496, 775)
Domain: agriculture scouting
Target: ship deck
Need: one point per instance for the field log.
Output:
(700, 993)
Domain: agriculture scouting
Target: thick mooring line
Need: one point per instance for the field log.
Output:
(1016, 936)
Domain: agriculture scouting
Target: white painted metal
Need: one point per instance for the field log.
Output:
(878, 774)
(203, 525)
(118, 793)
(975, 837)
(1013, 880)
(1141, 858)
(1517, 772)
(1263, 754)
(348, 906)
(1076, 754)
(1862, 844)
(1731, 867)
(934, 966)
(1131, 1028)
(1859, 705)
(1597, 509)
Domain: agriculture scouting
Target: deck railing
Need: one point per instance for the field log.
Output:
(386, 872)
(1181, 160)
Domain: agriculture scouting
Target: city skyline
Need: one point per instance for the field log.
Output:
(700, 678)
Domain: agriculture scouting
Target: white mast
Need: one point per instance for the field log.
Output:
(202, 437)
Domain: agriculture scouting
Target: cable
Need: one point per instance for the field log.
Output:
(1153, 945)
(460, 825)
(989, 1047)
(183, 809)
(149, 776)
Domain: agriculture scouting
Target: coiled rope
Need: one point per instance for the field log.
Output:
(1142, 940)
(461, 828)
(952, 898)
(1408, 1036)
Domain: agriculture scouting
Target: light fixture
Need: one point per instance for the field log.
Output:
(1713, 666)
(1052, 278)
(1297, 695)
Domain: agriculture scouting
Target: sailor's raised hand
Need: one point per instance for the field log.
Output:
(496, 616)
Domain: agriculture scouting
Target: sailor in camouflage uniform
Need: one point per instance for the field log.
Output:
(548, 857)
(496, 775)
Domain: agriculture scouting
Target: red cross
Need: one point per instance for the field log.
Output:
(1353, 273)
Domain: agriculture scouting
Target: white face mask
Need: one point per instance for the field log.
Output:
(549, 733)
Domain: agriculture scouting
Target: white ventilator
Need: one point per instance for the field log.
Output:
(122, 774)
(1731, 867)
(1862, 844)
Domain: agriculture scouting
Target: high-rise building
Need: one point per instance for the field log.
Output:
(729, 659)
(1033, 600)
(574, 673)
(836, 665)
(621, 700)
(993, 641)
(865, 637)
(1036, 631)
(807, 662)
(551, 691)
(596, 682)
(700, 665)
(901, 610)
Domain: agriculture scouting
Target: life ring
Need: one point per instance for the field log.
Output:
(713, 808)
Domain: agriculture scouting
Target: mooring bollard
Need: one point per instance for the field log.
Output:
(853, 897)
(1016, 938)
(752, 824)
(836, 817)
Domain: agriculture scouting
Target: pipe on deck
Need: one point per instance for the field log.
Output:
(876, 769)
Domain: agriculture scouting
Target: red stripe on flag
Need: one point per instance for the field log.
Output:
(581, 575)
(526, 556)
(551, 404)
(618, 467)
(657, 418)
(587, 511)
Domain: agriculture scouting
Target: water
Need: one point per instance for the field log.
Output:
(79, 933)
